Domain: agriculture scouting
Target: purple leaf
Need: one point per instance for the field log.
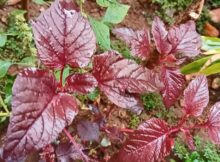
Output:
(63, 36)
(196, 96)
(189, 139)
(118, 77)
(123, 99)
(214, 123)
(173, 85)
(80, 83)
(39, 113)
(139, 41)
(160, 34)
(66, 152)
(110, 69)
(185, 39)
(88, 131)
(150, 143)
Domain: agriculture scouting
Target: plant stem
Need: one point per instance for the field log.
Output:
(4, 105)
(75, 144)
(177, 128)
(61, 77)
(126, 130)
(198, 126)
(2, 114)
(183, 120)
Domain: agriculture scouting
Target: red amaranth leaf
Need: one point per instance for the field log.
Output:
(63, 36)
(160, 36)
(189, 139)
(123, 99)
(196, 96)
(185, 39)
(173, 85)
(150, 143)
(39, 113)
(118, 78)
(67, 152)
(213, 124)
(80, 83)
(110, 69)
(139, 41)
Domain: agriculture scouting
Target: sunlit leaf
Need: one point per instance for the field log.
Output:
(4, 66)
(102, 33)
(39, 113)
(63, 36)
(149, 143)
(196, 96)
(115, 13)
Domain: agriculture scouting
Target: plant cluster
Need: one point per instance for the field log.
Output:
(43, 106)
(155, 134)
(16, 42)
(168, 8)
(205, 151)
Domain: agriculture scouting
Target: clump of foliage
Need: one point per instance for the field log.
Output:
(121, 47)
(170, 47)
(134, 121)
(47, 104)
(16, 47)
(168, 8)
(205, 151)
(213, 3)
(151, 101)
(196, 98)
(43, 105)
(18, 38)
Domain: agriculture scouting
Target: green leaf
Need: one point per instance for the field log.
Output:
(106, 3)
(212, 69)
(4, 65)
(66, 73)
(30, 61)
(93, 95)
(210, 43)
(116, 13)
(3, 39)
(194, 66)
(102, 33)
(40, 2)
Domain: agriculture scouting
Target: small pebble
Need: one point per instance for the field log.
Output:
(216, 83)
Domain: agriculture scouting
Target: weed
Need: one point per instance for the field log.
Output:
(205, 151)
(19, 42)
(152, 101)
(168, 8)
(134, 121)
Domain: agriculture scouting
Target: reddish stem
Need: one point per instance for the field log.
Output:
(183, 120)
(75, 144)
(109, 112)
(203, 125)
(61, 77)
(177, 128)
(126, 130)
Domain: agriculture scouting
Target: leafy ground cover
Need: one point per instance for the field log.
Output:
(103, 81)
